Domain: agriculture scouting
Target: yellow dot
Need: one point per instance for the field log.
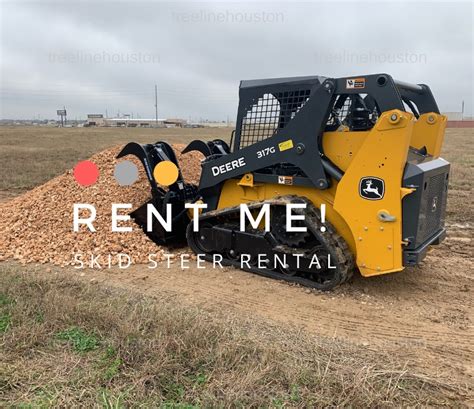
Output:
(166, 173)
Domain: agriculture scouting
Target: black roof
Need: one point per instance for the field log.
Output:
(313, 79)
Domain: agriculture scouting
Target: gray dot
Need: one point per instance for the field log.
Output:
(126, 173)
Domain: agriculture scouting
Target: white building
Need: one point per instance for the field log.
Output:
(454, 116)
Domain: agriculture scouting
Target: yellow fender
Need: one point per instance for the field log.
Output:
(376, 225)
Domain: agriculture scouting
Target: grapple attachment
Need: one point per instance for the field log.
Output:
(176, 194)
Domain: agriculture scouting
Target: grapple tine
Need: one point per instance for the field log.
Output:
(199, 146)
(161, 151)
(141, 152)
(220, 146)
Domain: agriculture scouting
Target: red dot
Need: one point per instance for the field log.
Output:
(86, 173)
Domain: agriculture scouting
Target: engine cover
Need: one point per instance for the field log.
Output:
(424, 210)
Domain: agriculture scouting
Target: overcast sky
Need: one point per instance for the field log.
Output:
(96, 56)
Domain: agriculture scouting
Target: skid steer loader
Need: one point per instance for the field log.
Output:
(366, 147)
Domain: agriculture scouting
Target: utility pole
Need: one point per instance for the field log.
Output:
(462, 110)
(156, 105)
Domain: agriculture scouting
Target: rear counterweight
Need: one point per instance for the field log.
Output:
(424, 210)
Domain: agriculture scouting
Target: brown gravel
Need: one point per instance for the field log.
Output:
(38, 225)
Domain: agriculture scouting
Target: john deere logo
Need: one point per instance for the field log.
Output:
(372, 188)
(434, 204)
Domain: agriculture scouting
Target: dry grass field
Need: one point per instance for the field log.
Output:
(69, 343)
(33, 155)
(209, 338)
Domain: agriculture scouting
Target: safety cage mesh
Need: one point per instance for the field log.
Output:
(270, 113)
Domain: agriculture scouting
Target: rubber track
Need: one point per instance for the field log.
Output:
(330, 239)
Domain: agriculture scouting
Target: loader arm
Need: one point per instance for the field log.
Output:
(295, 144)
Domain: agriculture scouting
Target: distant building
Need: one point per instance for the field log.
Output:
(135, 122)
(95, 120)
(458, 120)
(454, 116)
(126, 121)
(222, 124)
(100, 120)
(175, 123)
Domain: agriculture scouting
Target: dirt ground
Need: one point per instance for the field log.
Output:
(424, 314)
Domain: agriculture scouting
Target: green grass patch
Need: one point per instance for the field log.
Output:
(81, 340)
(5, 322)
(109, 400)
(5, 316)
(5, 300)
(110, 364)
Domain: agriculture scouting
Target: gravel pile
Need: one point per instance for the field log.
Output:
(38, 225)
